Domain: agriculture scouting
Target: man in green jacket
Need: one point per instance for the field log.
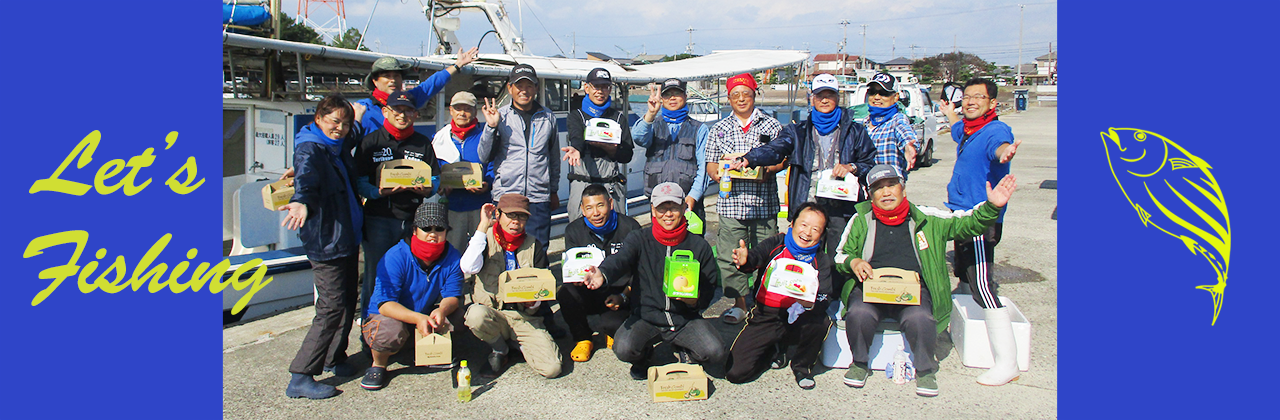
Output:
(890, 232)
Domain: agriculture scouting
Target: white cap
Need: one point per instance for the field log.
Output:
(824, 81)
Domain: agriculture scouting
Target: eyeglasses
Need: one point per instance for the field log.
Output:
(430, 229)
(521, 217)
(738, 95)
(974, 97)
(397, 112)
(335, 122)
(668, 209)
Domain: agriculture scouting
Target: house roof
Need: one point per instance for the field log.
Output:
(900, 61)
(834, 57)
(598, 56)
(651, 58)
(1048, 57)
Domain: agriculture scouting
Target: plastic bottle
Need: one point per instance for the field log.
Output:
(725, 183)
(902, 369)
(464, 382)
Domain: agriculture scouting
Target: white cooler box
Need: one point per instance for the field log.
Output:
(836, 354)
(969, 333)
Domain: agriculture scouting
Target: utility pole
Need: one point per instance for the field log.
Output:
(1020, 8)
(864, 45)
(913, 51)
(689, 49)
(893, 50)
(573, 52)
(844, 41)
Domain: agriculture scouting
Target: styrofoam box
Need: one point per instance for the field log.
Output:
(969, 333)
(836, 354)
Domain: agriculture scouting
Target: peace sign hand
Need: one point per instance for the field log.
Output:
(655, 101)
(490, 110)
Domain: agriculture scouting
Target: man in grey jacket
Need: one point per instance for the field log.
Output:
(521, 140)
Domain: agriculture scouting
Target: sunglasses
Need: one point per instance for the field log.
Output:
(430, 229)
(880, 92)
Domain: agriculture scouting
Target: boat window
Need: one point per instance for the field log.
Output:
(556, 95)
(233, 126)
(924, 98)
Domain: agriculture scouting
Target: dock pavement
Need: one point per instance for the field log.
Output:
(256, 354)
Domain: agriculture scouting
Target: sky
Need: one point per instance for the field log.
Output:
(988, 28)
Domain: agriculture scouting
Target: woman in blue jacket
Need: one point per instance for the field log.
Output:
(325, 209)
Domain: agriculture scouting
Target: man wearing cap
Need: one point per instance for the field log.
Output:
(522, 142)
(656, 317)
(501, 244)
(675, 145)
(984, 148)
(600, 162)
(389, 211)
(891, 232)
(387, 76)
(750, 212)
(459, 142)
(602, 228)
(419, 287)
(896, 142)
(828, 140)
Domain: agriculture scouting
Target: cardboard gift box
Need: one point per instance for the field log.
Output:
(677, 382)
(753, 172)
(847, 189)
(603, 130)
(277, 193)
(792, 278)
(969, 332)
(404, 172)
(680, 275)
(526, 285)
(892, 285)
(432, 349)
(576, 261)
(461, 175)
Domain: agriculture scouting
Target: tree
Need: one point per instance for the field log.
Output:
(291, 30)
(957, 66)
(680, 56)
(348, 40)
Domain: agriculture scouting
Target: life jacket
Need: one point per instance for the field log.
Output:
(669, 160)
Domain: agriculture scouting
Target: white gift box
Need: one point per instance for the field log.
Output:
(603, 130)
(578, 259)
(969, 333)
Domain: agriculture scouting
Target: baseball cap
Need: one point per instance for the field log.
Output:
(885, 80)
(463, 97)
(400, 98)
(744, 79)
(599, 76)
(522, 71)
(511, 203)
(882, 172)
(431, 214)
(667, 192)
(381, 65)
(823, 82)
(672, 83)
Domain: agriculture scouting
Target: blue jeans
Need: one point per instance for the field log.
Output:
(380, 233)
(636, 338)
(539, 224)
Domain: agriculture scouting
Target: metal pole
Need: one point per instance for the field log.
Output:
(302, 75)
(366, 25)
(864, 46)
(1020, 8)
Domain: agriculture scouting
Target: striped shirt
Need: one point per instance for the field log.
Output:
(891, 140)
(748, 199)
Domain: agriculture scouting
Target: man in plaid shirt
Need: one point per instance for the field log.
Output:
(896, 142)
(750, 212)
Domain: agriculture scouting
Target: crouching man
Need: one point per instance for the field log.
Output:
(419, 286)
(890, 232)
(602, 228)
(656, 317)
(495, 248)
(780, 320)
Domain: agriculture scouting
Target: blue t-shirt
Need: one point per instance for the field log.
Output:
(401, 279)
(977, 164)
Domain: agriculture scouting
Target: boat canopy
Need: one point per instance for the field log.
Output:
(244, 15)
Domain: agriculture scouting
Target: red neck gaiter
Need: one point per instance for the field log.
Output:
(893, 217)
(425, 251)
(508, 241)
(381, 96)
(671, 237)
(972, 126)
(399, 134)
(461, 132)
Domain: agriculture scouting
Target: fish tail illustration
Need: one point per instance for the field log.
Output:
(1216, 290)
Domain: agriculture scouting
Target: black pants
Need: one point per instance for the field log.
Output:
(975, 257)
(918, 327)
(637, 337)
(752, 350)
(577, 301)
(336, 296)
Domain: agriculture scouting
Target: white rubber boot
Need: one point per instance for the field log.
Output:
(1003, 349)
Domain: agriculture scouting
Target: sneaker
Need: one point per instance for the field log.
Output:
(927, 385)
(779, 358)
(582, 351)
(497, 361)
(639, 371)
(301, 385)
(341, 369)
(374, 379)
(857, 375)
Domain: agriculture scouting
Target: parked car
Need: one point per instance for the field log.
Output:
(914, 101)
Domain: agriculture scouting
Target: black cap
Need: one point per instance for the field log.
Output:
(398, 98)
(672, 83)
(599, 76)
(885, 80)
(523, 71)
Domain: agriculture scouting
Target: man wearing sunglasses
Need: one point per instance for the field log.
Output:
(501, 244)
(389, 211)
(896, 142)
(984, 148)
(419, 287)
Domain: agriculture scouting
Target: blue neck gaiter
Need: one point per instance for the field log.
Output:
(825, 123)
(677, 116)
(610, 225)
(801, 254)
(595, 111)
(880, 115)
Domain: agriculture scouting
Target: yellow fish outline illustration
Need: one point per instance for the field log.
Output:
(1192, 170)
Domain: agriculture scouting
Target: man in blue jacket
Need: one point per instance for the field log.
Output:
(419, 286)
(387, 76)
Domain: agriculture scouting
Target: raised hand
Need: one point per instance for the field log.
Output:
(999, 196)
(655, 101)
(467, 57)
(1009, 151)
(488, 212)
(490, 110)
(571, 155)
(740, 254)
(297, 215)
